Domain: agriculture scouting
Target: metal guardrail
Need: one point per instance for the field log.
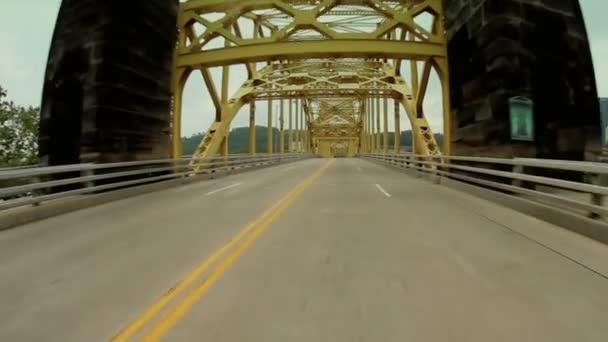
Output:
(516, 181)
(33, 186)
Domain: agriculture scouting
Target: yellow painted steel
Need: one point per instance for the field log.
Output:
(270, 140)
(397, 128)
(378, 129)
(298, 114)
(282, 127)
(385, 139)
(290, 136)
(252, 131)
(338, 59)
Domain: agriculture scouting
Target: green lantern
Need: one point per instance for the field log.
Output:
(521, 113)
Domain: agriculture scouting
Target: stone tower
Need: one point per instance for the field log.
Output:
(106, 90)
(499, 49)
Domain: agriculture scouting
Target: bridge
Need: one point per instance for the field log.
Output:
(336, 233)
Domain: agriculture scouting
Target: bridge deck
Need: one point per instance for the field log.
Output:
(340, 261)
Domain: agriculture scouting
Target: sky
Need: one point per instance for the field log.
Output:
(26, 28)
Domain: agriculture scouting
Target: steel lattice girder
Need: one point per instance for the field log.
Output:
(311, 49)
(380, 34)
(333, 78)
(335, 117)
(278, 25)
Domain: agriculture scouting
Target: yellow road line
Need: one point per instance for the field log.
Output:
(181, 308)
(126, 333)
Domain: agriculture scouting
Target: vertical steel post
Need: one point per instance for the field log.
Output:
(290, 138)
(385, 118)
(378, 129)
(297, 137)
(373, 125)
(176, 119)
(281, 127)
(302, 128)
(270, 128)
(397, 127)
(252, 130)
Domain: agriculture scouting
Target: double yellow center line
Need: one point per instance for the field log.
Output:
(214, 266)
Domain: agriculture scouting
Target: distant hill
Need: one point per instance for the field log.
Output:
(239, 140)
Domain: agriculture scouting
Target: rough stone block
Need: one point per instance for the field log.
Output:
(528, 48)
(107, 87)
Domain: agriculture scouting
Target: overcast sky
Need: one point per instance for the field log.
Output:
(26, 27)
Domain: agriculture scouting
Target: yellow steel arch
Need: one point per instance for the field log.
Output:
(328, 51)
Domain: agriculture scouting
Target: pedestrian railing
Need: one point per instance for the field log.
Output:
(576, 186)
(36, 185)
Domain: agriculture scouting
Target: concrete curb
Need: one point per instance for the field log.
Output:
(590, 228)
(24, 215)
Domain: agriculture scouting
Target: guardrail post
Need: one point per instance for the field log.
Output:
(417, 167)
(34, 180)
(437, 175)
(88, 172)
(518, 169)
(596, 199)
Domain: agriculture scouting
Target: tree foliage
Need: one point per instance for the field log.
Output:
(238, 140)
(18, 133)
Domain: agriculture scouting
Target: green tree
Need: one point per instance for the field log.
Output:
(189, 144)
(18, 133)
(238, 140)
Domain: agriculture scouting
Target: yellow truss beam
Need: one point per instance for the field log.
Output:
(337, 57)
(354, 48)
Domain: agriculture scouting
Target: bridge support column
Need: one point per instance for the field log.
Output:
(385, 118)
(443, 73)
(177, 90)
(378, 129)
(302, 129)
(224, 148)
(252, 130)
(365, 141)
(302, 132)
(377, 144)
(368, 128)
(309, 122)
(281, 127)
(362, 135)
(372, 136)
(297, 127)
(290, 137)
(372, 126)
(270, 128)
(397, 128)
(309, 142)
(225, 145)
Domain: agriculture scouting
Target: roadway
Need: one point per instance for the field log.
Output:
(318, 250)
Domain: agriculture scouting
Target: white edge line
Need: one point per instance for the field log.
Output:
(222, 189)
(383, 191)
